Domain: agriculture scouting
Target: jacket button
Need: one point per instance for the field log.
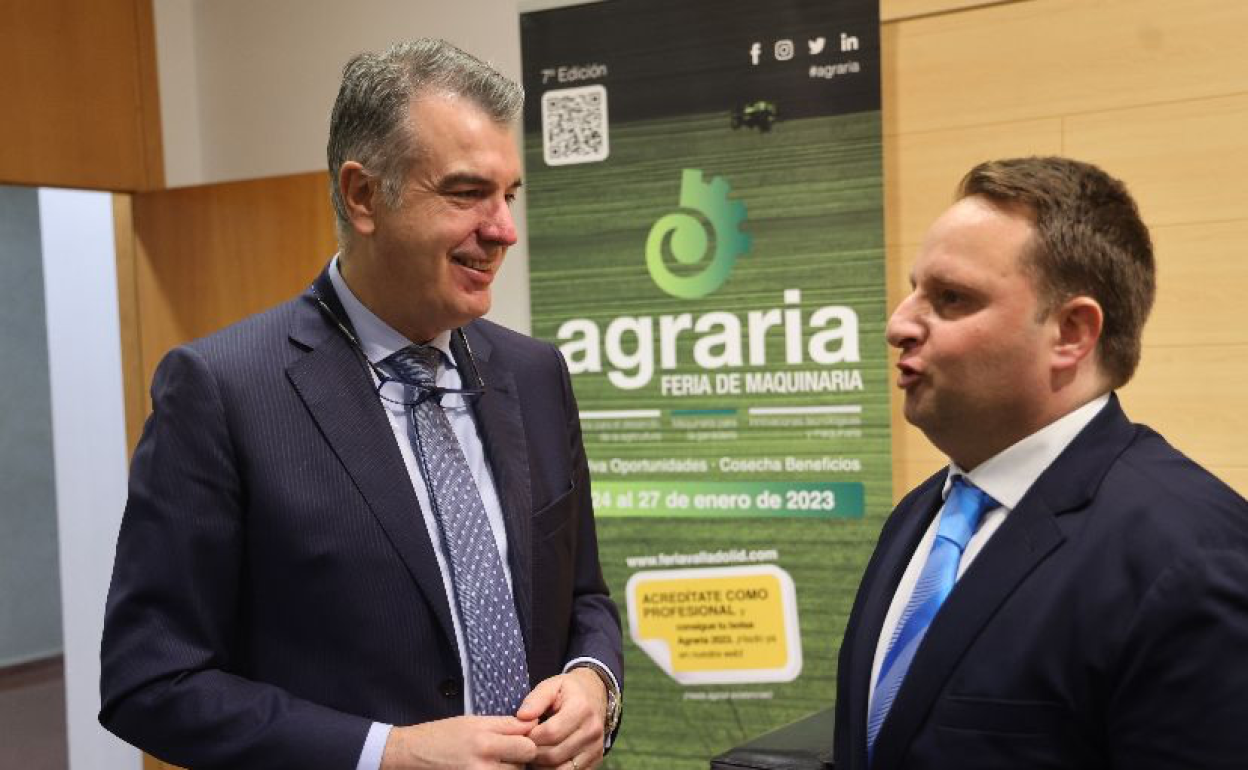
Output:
(451, 688)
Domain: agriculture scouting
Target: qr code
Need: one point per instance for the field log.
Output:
(574, 125)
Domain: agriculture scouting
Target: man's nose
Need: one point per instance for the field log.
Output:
(903, 329)
(500, 225)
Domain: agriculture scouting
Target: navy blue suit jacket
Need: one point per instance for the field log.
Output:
(275, 590)
(1104, 625)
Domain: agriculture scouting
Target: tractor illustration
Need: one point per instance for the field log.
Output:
(761, 115)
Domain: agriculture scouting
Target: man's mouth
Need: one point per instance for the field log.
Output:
(908, 376)
(480, 265)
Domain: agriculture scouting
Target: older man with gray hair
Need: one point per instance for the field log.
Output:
(359, 531)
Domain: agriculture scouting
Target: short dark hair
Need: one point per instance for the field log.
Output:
(368, 121)
(1090, 241)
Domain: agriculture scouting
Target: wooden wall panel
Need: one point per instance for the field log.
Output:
(1202, 276)
(922, 169)
(80, 102)
(151, 174)
(1190, 394)
(1185, 162)
(129, 325)
(209, 256)
(1020, 61)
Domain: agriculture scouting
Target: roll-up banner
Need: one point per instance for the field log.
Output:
(705, 217)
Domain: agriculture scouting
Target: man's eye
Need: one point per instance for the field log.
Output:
(949, 301)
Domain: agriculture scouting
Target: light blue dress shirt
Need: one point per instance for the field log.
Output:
(379, 340)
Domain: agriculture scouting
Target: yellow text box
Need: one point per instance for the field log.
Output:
(717, 625)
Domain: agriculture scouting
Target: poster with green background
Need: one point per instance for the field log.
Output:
(705, 221)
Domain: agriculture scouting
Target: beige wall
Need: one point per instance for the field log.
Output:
(248, 85)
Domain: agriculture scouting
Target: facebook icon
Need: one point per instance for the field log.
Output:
(756, 50)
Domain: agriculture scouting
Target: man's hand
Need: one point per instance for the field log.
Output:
(575, 707)
(461, 742)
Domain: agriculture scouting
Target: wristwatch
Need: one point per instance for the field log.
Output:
(615, 699)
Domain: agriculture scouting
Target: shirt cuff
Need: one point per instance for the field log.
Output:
(374, 747)
(578, 661)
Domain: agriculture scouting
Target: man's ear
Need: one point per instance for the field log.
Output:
(1079, 322)
(361, 194)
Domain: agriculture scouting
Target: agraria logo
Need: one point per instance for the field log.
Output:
(699, 269)
(712, 347)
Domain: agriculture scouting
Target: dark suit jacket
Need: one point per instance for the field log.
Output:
(1104, 625)
(275, 590)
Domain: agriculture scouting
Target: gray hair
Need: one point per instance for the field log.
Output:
(369, 121)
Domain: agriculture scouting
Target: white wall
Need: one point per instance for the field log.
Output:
(89, 447)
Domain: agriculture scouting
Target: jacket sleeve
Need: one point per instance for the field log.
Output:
(595, 630)
(170, 654)
(1179, 694)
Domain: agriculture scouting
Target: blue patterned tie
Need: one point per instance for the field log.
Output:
(498, 673)
(963, 509)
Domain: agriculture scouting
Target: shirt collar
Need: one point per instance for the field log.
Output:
(377, 338)
(1007, 475)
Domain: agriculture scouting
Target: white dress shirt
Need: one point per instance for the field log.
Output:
(1006, 477)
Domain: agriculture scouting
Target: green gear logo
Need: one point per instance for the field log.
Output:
(685, 235)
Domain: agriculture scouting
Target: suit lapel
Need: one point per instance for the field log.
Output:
(334, 384)
(1026, 538)
(502, 432)
(1029, 535)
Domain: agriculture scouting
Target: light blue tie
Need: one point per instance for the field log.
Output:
(496, 660)
(963, 509)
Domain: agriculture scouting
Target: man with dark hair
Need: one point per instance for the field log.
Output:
(1071, 591)
(359, 530)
